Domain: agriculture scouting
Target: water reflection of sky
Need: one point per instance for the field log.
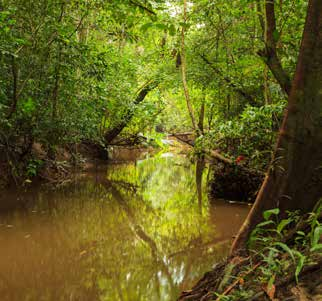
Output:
(136, 232)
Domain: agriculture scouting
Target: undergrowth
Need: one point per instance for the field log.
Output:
(280, 251)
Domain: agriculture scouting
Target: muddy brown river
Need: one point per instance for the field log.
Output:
(135, 230)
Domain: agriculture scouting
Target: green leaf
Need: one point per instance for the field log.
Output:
(185, 25)
(316, 236)
(316, 248)
(146, 26)
(161, 26)
(283, 223)
(276, 35)
(286, 249)
(299, 266)
(262, 224)
(268, 213)
(28, 105)
(172, 30)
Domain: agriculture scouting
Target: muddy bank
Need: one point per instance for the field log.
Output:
(41, 165)
(235, 182)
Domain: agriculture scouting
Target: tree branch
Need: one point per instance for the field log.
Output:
(240, 91)
(150, 11)
(269, 53)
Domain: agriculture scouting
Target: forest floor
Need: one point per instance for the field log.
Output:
(284, 270)
(241, 287)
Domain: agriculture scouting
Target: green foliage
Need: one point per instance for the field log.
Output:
(268, 213)
(68, 74)
(33, 167)
(269, 237)
(278, 252)
(251, 134)
(71, 71)
(316, 231)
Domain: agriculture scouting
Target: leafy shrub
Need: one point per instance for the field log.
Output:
(252, 134)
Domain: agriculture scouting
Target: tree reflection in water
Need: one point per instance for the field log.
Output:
(143, 230)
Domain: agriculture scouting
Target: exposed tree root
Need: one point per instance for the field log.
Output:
(206, 288)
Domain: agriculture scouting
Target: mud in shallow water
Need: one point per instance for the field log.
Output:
(134, 231)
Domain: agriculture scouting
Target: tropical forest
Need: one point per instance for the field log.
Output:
(161, 150)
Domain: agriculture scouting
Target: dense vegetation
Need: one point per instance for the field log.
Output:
(104, 72)
(73, 71)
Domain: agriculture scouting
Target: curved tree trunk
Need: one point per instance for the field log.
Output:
(111, 134)
(294, 180)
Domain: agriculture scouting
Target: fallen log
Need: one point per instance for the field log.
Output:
(179, 137)
(216, 155)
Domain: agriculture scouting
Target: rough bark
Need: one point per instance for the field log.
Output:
(294, 180)
(111, 134)
(269, 53)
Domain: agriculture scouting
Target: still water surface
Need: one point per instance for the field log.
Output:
(140, 230)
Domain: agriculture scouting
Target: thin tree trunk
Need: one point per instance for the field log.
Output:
(184, 71)
(201, 117)
(294, 179)
(14, 70)
(270, 52)
(260, 16)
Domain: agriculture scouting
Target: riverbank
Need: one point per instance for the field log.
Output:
(40, 166)
(247, 288)
(285, 263)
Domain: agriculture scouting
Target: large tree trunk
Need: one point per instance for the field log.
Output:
(111, 134)
(294, 180)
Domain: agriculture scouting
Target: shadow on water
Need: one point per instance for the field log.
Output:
(140, 230)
